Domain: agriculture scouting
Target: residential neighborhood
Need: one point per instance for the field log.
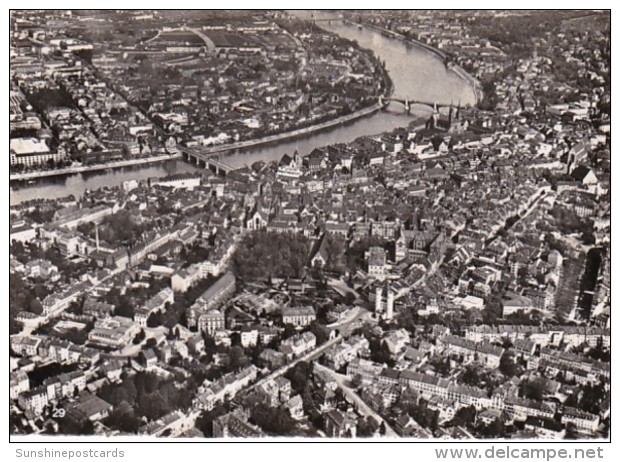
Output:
(449, 278)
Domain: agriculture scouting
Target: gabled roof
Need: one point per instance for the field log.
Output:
(322, 249)
(580, 173)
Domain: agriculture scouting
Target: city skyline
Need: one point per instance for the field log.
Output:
(310, 224)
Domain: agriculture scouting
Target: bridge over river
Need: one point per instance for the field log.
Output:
(206, 159)
(417, 75)
(407, 103)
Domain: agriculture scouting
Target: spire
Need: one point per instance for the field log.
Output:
(296, 159)
(435, 117)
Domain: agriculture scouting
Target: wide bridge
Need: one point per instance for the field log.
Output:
(212, 161)
(407, 103)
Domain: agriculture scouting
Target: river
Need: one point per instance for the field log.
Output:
(415, 73)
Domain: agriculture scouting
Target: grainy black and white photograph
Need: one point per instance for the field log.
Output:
(310, 224)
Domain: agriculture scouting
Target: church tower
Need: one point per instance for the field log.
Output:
(389, 310)
(456, 124)
(296, 160)
(378, 300)
(435, 117)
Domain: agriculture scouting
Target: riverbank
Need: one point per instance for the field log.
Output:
(92, 168)
(458, 70)
(212, 150)
(413, 71)
(294, 133)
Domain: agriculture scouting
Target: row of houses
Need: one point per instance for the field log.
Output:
(224, 388)
(54, 388)
(205, 313)
(53, 349)
(57, 302)
(184, 278)
(298, 345)
(482, 353)
(542, 335)
(436, 388)
(154, 305)
(346, 351)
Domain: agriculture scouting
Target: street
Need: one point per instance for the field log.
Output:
(360, 405)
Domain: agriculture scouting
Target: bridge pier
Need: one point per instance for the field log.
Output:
(211, 166)
(206, 160)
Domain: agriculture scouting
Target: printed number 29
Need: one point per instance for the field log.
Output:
(58, 413)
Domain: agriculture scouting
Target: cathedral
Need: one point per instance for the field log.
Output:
(452, 123)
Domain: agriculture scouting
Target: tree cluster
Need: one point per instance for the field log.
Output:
(420, 412)
(121, 227)
(150, 395)
(464, 417)
(277, 421)
(299, 375)
(123, 302)
(264, 255)
(23, 297)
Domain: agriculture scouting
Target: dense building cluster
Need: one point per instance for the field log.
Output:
(92, 87)
(449, 279)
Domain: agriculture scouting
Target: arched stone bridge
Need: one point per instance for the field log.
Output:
(407, 103)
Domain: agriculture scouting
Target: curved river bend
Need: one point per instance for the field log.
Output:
(415, 73)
